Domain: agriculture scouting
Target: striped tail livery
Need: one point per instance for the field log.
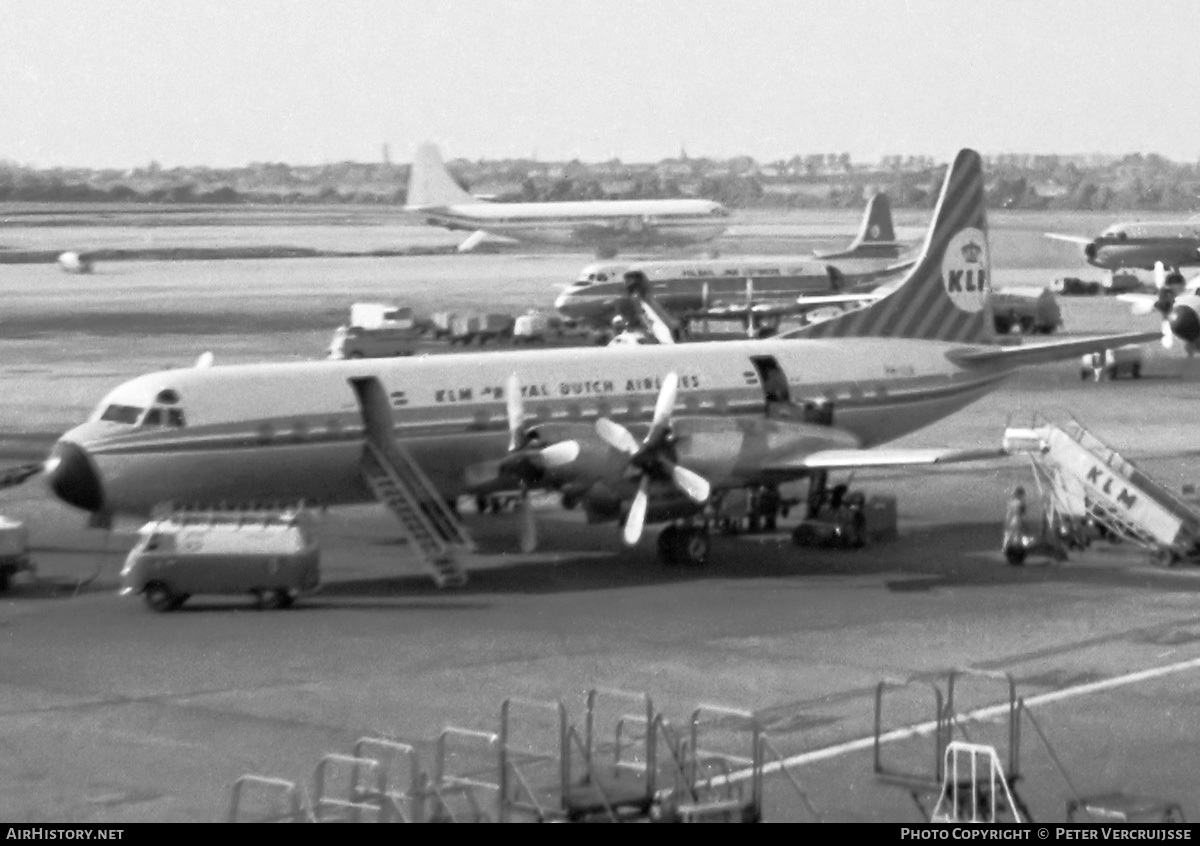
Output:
(945, 296)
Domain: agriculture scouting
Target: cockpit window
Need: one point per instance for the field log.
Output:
(603, 277)
(153, 417)
(129, 414)
(175, 417)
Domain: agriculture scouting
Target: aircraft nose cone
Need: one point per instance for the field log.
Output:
(1184, 323)
(73, 477)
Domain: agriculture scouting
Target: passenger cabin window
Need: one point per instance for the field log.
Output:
(128, 414)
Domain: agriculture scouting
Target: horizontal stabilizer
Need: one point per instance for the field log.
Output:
(849, 459)
(1006, 357)
(1071, 239)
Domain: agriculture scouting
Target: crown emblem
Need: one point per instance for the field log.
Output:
(971, 252)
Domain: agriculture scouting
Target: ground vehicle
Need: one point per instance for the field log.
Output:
(465, 328)
(1072, 285)
(534, 326)
(271, 554)
(377, 330)
(1114, 362)
(358, 342)
(1121, 282)
(14, 550)
(1025, 310)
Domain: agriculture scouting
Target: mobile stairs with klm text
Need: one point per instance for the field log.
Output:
(1085, 481)
(430, 526)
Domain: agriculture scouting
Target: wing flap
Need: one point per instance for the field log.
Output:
(849, 459)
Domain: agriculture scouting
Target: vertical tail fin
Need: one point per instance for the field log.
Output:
(876, 237)
(945, 296)
(877, 222)
(430, 184)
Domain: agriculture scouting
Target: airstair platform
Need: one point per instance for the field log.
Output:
(1086, 480)
(430, 526)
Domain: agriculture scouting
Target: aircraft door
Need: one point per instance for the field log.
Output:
(772, 379)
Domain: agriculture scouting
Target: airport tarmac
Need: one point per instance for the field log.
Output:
(111, 713)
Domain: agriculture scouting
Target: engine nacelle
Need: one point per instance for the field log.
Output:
(1184, 318)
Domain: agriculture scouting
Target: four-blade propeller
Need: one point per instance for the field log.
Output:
(653, 458)
(529, 460)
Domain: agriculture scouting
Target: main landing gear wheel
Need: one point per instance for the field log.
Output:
(683, 546)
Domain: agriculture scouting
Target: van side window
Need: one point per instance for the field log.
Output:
(152, 544)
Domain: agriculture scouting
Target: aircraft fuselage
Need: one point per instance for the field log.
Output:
(615, 223)
(257, 433)
(1141, 245)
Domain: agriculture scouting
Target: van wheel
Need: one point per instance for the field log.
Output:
(1014, 555)
(159, 597)
(269, 600)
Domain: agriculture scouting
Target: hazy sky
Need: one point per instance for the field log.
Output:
(122, 82)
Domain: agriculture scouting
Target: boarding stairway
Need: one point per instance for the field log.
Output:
(1084, 480)
(433, 530)
(393, 475)
(624, 763)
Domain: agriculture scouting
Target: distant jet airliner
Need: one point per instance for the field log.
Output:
(604, 225)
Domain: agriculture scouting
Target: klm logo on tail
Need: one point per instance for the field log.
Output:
(965, 270)
(945, 295)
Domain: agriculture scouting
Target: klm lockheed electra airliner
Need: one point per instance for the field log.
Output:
(641, 434)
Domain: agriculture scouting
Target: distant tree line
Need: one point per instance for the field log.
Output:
(829, 180)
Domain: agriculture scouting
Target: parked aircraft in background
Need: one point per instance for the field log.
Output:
(603, 225)
(643, 434)
(75, 263)
(757, 290)
(1172, 243)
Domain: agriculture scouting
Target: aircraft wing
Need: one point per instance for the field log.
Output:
(1051, 351)
(798, 306)
(1072, 239)
(1141, 303)
(850, 459)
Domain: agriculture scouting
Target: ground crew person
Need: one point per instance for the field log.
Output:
(1014, 523)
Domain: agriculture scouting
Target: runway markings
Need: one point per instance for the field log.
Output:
(979, 714)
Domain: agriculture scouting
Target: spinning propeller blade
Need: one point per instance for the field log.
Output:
(636, 520)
